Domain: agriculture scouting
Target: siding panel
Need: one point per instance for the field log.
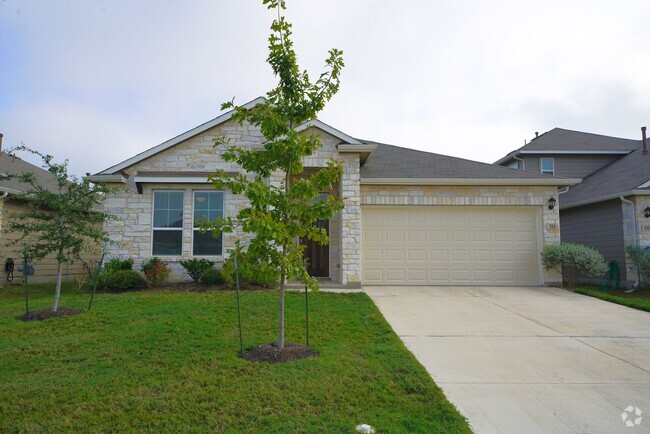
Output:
(599, 226)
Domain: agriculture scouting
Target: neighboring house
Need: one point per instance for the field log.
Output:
(410, 217)
(609, 208)
(10, 207)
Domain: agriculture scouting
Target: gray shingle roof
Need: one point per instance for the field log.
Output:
(559, 139)
(620, 176)
(389, 161)
(14, 165)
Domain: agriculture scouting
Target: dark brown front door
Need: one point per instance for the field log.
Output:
(318, 256)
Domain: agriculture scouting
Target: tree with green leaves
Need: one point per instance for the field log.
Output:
(281, 213)
(62, 218)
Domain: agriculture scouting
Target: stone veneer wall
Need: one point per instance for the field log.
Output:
(535, 196)
(133, 228)
(642, 228)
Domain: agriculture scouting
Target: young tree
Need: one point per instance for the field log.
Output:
(281, 213)
(63, 219)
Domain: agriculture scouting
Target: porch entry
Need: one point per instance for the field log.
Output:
(317, 255)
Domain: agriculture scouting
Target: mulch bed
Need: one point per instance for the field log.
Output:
(272, 354)
(40, 315)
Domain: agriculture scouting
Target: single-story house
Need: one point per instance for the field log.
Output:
(610, 208)
(410, 217)
(10, 207)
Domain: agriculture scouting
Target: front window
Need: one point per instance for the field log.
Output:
(547, 166)
(514, 165)
(208, 205)
(167, 223)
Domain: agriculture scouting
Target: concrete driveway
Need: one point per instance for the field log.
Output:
(517, 360)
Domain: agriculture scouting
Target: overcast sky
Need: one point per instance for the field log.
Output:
(98, 81)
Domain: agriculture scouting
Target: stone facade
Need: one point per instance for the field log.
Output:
(532, 196)
(132, 231)
(642, 228)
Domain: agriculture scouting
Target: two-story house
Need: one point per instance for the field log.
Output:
(610, 208)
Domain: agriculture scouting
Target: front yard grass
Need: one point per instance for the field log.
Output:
(167, 361)
(639, 299)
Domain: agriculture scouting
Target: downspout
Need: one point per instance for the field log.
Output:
(636, 239)
(523, 162)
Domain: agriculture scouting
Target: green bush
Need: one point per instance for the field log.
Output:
(196, 267)
(573, 261)
(116, 264)
(212, 276)
(641, 260)
(125, 279)
(249, 274)
(156, 272)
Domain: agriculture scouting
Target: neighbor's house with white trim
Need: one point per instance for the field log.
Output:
(410, 217)
(610, 208)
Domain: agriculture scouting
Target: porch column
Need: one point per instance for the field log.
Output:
(351, 222)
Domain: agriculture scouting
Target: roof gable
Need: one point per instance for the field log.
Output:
(213, 123)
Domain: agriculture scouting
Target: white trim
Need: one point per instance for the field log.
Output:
(171, 179)
(539, 223)
(193, 228)
(106, 178)
(153, 214)
(466, 181)
(541, 166)
(328, 129)
(178, 139)
(514, 154)
(356, 148)
(605, 198)
(645, 184)
(569, 152)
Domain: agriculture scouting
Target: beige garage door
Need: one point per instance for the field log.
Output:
(418, 245)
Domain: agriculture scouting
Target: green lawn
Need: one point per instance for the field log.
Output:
(639, 299)
(167, 361)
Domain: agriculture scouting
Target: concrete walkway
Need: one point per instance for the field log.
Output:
(527, 360)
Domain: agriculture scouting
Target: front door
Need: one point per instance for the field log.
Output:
(318, 256)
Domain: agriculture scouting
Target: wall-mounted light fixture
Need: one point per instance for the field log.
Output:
(551, 203)
(647, 212)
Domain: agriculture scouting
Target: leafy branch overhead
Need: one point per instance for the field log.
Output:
(284, 201)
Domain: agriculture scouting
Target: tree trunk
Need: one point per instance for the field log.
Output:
(283, 279)
(57, 291)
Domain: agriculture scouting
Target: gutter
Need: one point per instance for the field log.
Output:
(468, 181)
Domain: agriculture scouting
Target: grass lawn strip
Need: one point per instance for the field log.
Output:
(167, 361)
(639, 299)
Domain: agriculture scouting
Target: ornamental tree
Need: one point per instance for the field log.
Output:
(283, 199)
(64, 219)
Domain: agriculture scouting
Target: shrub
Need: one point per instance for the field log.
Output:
(116, 264)
(249, 274)
(156, 272)
(125, 279)
(212, 276)
(573, 261)
(196, 267)
(640, 257)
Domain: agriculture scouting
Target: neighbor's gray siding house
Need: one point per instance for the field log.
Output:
(606, 210)
(410, 217)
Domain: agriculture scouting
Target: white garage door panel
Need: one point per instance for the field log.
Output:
(450, 245)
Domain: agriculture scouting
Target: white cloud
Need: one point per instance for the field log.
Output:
(467, 78)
